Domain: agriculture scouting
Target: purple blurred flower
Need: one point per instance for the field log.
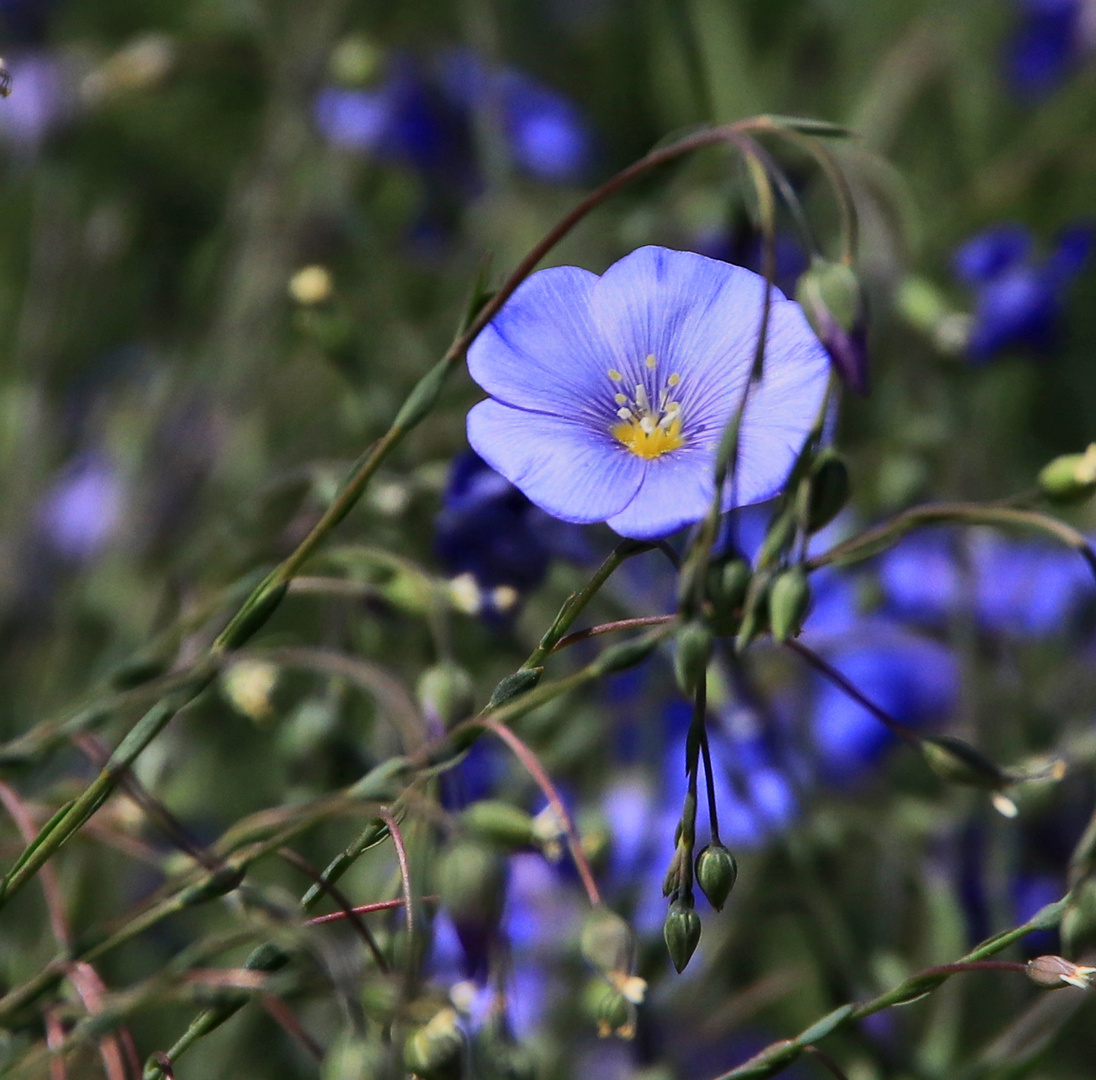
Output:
(41, 99)
(423, 114)
(83, 509)
(1019, 298)
(1018, 588)
(609, 395)
(1049, 43)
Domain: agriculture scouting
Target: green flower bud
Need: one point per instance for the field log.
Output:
(777, 540)
(608, 943)
(681, 932)
(445, 691)
(471, 881)
(960, 763)
(716, 873)
(627, 654)
(434, 1051)
(829, 482)
(1079, 920)
(833, 302)
(694, 650)
(354, 1058)
(755, 611)
(499, 823)
(788, 600)
(734, 580)
(1070, 478)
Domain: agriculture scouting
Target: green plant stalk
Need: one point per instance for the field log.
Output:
(886, 535)
(779, 1055)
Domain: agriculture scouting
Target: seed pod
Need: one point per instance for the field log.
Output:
(716, 873)
(833, 302)
(1069, 478)
(681, 932)
(434, 1051)
(1054, 972)
(694, 650)
(445, 692)
(829, 482)
(788, 600)
(471, 881)
(499, 823)
(960, 763)
(515, 684)
(608, 943)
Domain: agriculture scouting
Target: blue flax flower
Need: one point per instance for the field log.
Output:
(1048, 44)
(1019, 298)
(609, 394)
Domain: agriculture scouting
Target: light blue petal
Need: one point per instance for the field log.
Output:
(572, 472)
(677, 490)
(543, 352)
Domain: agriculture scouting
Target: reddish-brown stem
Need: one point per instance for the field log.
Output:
(534, 768)
(405, 869)
(611, 628)
(365, 909)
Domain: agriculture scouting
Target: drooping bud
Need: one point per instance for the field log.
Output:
(434, 1051)
(734, 580)
(681, 932)
(1079, 918)
(960, 763)
(627, 654)
(829, 482)
(833, 302)
(608, 943)
(471, 882)
(356, 1058)
(716, 873)
(694, 650)
(789, 598)
(1054, 972)
(446, 693)
(499, 823)
(1070, 478)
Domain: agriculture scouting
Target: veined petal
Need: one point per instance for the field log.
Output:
(543, 351)
(567, 469)
(677, 490)
(690, 312)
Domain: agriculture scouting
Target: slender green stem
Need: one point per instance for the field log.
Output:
(777, 1057)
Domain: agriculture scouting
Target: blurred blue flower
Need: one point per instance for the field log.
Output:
(41, 98)
(1019, 588)
(83, 509)
(487, 529)
(1048, 44)
(913, 680)
(609, 395)
(423, 114)
(1019, 299)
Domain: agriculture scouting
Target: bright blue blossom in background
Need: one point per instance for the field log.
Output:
(423, 114)
(1019, 298)
(1050, 42)
(609, 395)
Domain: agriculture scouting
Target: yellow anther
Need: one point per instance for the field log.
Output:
(673, 380)
(650, 362)
(615, 375)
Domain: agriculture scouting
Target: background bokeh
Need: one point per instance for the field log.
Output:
(234, 233)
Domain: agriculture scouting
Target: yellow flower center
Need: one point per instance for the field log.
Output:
(648, 429)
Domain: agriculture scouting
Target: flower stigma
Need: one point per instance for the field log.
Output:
(648, 429)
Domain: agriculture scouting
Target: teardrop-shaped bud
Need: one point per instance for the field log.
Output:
(499, 823)
(789, 599)
(681, 932)
(694, 650)
(829, 482)
(716, 873)
(960, 763)
(1069, 478)
(608, 943)
(446, 693)
(434, 1051)
(832, 300)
